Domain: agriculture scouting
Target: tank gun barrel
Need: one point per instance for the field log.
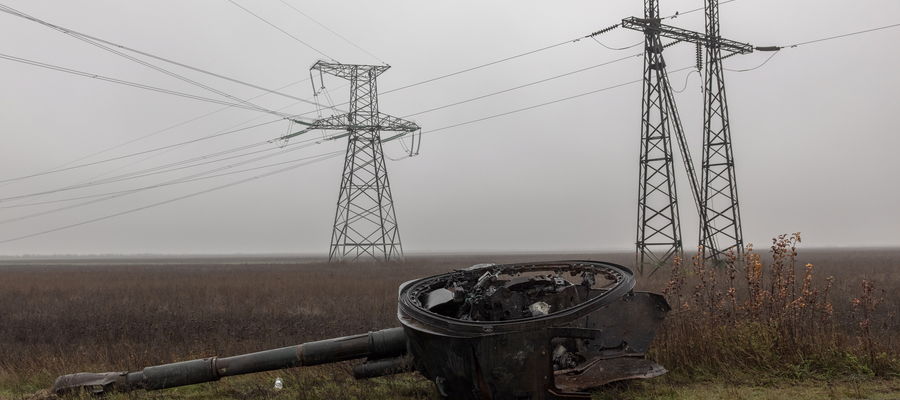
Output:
(387, 343)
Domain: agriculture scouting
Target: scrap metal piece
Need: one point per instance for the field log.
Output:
(601, 372)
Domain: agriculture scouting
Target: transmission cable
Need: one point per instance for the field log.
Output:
(187, 196)
(281, 30)
(166, 184)
(756, 67)
(332, 31)
(167, 168)
(132, 84)
(335, 154)
(125, 143)
(437, 78)
(524, 85)
(678, 14)
(70, 32)
(431, 131)
(135, 59)
(219, 134)
(204, 173)
(687, 79)
(617, 48)
(843, 35)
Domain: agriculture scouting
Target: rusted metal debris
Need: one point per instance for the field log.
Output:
(518, 331)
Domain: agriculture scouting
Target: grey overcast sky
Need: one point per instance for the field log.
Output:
(814, 130)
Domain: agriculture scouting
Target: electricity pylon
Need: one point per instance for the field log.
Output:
(659, 230)
(720, 210)
(365, 225)
(658, 224)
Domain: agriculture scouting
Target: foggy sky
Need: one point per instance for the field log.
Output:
(815, 131)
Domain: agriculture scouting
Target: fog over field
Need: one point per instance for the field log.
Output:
(814, 131)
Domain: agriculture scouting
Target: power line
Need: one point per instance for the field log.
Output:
(70, 31)
(140, 174)
(332, 31)
(437, 78)
(132, 84)
(334, 154)
(219, 134)
(777, 49)
(756, 67)
(617, 48)
(133, 210)
(166, 184)
(678, 14)
(183, 78)
(418, 113)
(279, 29)
(844, 35)
(166, 168)
(154, 133)
(524, 85)
(207, 172)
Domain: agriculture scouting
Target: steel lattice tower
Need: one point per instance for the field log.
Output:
(658, 226)
(720, 211)
(365, 225)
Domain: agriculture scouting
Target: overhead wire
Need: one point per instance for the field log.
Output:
(147, 172)
(160, 203)
(151, 134)
(220, 133)
(487, 64)
(687, 79)
(167, 184)
(167, 168)
(617, 48)
(678, 14)
(777, 49)
(234, 183)
(524, 85)
(756, 67)
(489, 117)
(843, 35)
(70, 31)
(301, 41)
(110, 197)
(470, 122)
(132, 84)
(157, 68)
(215, 135)
(332, 31)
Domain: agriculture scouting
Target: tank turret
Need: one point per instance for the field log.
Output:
(548, 330)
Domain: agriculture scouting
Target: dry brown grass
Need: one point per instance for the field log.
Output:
(57, 319)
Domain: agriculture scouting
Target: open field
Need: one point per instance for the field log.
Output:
(807, 340)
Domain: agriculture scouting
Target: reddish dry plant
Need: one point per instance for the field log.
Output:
(776, 314)
(864, 308)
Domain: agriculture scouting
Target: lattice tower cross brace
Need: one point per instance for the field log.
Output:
(365, 224)
(721, 214)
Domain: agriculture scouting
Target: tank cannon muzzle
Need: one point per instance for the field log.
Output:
(386, 343)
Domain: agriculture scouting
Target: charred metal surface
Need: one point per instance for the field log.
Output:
(519, 331)
(530, 331)
(602, 371)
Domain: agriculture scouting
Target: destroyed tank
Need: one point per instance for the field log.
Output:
(548, 330)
